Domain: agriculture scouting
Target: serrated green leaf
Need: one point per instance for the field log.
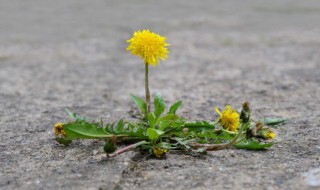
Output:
(154, 134)
(134, 130)
(126, 128)
(199, 125)
(169, 117)
(159, 105)
(120, 126)
(274, 121)
(140, 103)
(252, 145)
(152, 120)
(84, 130)
(183, 142)
(167, 121)
(164, 125)
(174, 126)
(217, 137)
(75, 116)
(174, 107)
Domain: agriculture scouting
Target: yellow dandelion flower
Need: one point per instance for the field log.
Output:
(149, 46)
(58, 129)
(271, 135)
(159, 152)
(229, 118)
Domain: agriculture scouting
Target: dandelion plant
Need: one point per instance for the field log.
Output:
(161, 130)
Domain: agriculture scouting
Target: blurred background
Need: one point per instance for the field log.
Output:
(79, 46)
(71, 54)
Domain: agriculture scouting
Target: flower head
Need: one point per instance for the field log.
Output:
(58, 129)
(159, 152)
(149, 46)
(229, 118)
(266, 133)
(271, 135)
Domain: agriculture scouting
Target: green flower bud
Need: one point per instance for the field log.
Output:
(245, 112)
(109, 147)
(266, 133)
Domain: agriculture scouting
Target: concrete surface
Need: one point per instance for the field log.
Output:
(71, 54)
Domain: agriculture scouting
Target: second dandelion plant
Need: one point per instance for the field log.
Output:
(161, 130)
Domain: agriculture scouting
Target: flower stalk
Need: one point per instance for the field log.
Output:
(147, 88)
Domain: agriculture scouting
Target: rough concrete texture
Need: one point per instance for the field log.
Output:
(71, 54)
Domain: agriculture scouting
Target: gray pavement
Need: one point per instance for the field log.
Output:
(71, 54)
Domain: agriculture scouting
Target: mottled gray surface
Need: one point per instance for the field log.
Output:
(71, 54)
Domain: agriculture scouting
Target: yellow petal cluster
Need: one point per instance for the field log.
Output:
(229, 118)
(58, 129)
(159, 152)
(271, 135)
(151, 47)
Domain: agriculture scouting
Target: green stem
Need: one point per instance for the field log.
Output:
(147, 88)
(212, 147)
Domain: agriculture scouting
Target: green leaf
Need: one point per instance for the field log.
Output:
(154, 134)
(114, 128)
(75, 116)
(169, 120)
(183, 142)
(274, 121)
(174, 107)
(169, 117)
(199, 125)
(126, 128)
(140, 103)
(173, 126)
(84, 130)
(217, 137)
(152, 119)
(253, 145)
(159, 105)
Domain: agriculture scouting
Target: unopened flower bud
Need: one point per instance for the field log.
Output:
(159, 152)
(109, 147)
(245, 112)
(259, 126)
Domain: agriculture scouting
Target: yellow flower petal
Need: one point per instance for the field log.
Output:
(159, 152)
(151, 47)
(218, 111)
(271, 135)
(229, 119)
(58, 129)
